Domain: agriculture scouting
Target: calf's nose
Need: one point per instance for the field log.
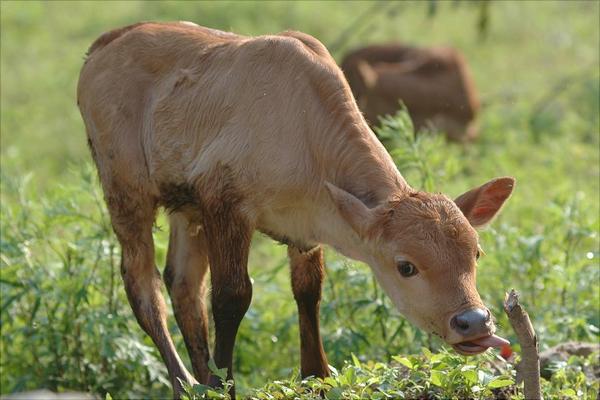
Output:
(473, 322)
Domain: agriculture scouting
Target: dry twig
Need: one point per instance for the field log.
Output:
(530, 363)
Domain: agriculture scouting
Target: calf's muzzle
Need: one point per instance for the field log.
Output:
(477, 328)
(472, 323)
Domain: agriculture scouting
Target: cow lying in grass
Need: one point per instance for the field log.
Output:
(434, 83)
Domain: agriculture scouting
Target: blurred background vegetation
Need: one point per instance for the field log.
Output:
(65, 320)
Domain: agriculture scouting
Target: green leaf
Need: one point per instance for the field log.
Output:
(426, 352)
(404, 361)
(499, 382)
(334, 394)
(220, 372)
(470, 376)
(355, 360)
(438, 357)
(200, 389)
(349, 375)
(437, 378)
(330, 381)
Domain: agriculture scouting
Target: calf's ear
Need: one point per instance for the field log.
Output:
(482, 204)
(352, 210)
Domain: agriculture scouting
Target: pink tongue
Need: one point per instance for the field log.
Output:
(491, 341)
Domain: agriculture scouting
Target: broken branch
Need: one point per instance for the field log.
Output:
(530, 362)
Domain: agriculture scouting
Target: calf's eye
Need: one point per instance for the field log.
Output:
(406, 269)
(477, 255)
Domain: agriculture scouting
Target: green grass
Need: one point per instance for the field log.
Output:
(65, 320)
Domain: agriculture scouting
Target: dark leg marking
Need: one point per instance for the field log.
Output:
(308, 271)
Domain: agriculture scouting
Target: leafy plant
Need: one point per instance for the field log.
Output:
(427, 376)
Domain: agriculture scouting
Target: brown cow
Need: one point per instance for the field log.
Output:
(435, 84)
(233, 134)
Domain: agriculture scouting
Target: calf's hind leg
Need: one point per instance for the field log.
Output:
(187, 263)
(132, 221)
(308, 271)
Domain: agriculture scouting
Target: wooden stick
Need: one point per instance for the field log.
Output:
(530, 362)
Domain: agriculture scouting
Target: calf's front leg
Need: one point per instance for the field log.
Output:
(308, 271)
(228, 236)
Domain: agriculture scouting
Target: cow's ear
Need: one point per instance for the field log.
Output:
(482, 204)
(367, 74)
(352, 210)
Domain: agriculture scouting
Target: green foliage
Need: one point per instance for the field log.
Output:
(575, 379)
(422, 158)
(441, 375)
(65, 320)
(201, 391)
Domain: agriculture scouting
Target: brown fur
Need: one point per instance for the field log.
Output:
(228, 233)
(233, 134)
(308, 272)
(435, 84)
(187, 264)
(108, 37)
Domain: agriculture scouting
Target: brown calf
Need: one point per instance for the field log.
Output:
(234, 134)
(434, 83)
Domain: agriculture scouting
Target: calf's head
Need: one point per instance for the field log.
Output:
(423, 249)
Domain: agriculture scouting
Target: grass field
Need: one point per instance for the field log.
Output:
(65, 320)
